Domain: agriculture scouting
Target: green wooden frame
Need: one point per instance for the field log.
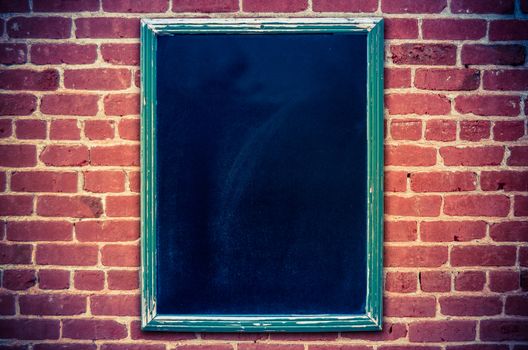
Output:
(371, 319)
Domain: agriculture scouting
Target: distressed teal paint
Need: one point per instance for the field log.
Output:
(372, 318)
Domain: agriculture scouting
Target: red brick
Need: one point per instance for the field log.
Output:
(517, 305)
(104, 181)
(508, 30)
(39, 231)
(123, 155)
(16, 205)
(69, 104)
(443, 181)
(401, 28)
(39, 27)
(127, 54)
(134, 179)
(523, 256)
(17, 104)
(25, 79)
(99, 129)
(13, 53)
(135, 6)
(10, 6)
(241, 336)
(72, 254)
(406, 129)
(15, 156)
(52, 304)
(470, 306)
(395, 181)
(483, 256)
(483, 6)
(511, 231)
(6, 128)
(503, 281)
(422, 206)
(480, 346)
(115, 305)
(63, 53)
(504, 180)
(425, 104)
(137, 333)
(472, 156)
(18, 279)
(409, 306)
(454, 29)
(107, 231)
(136, 346)
(400, 282)
(452, 231)
(120, 255)
(440, 130)
(30, 129)
(442, 331)
(508, 130)
(40, 329)
(122, 206)
(345, 5)
(7, 304)
(54, 279)
(488, 105)
(15, 254)
(3, 181)
(397, 78)
(108, 27)
(44, 181)
(248, 346)
(409, 155)
(472, 281)
(274, 5)
(447, 79)
(476, 205)
(55, 155)
(390, 331)
(410, 6)
(88, 280)
(204, 5)
(93, 329)
(400, 231)
(65, 6)
(504, 329)
(474, 130)
(415, 256)
(64, 129)
(424, 54)
(518, 155)
(435, 281)
(509, 80)
(129, 129)
(123, 280)
(493, 54)
(520, 206)
(65, 346)
(70, 206)
(97, 79)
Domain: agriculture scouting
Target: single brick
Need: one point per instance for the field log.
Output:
(7, 304)
(123, 280)
(508, 30)
(127, 54)
(120, 255)
(345, 5)
(115, 305)
(30, 129)
(17, 104)
(423, 206)
(71, 206)
(54, 279)
(510, 231)
(401, 28)
(518, 156)
(410, 6)
(39, 231)
(504, 330)
(16, 205)
(52, 304)
(397, 78)
(483, 255)
(274, 6)
(137, 333)
(508, 130)
(517, 305)
(204, 5)
(472, 281)
(40, 329)
(416, 256)
(15, 254)
(88, 280)
(520, 206)
(107, 27)
(65, 6)
(452, 231)
(395, 181)
(406, 129)
(123, 155)
(504, 180)
(128, 6)
(476, 205)
(18, 279)
(504, 281)
(107, 230)
(71, 254)
(440, 130)
(13, 53)
(506, 80)
(39, 27)
(122, 206)
(63, 53)
(409, 306)
(488, 105)
(93, 329)
(472, 156)
(470, 306)
(447, 79)
(400, 231)
(400, 282)
(442, 331)
(412, 103)
(435, 281)
(69, 104)
(25, 79)
(65, 129)
(129, 129)
(443, 181)
(15, 156)
(483, 6)
(454, 29)
(493, 54)
(99, 129)
(424, 54)
(474, 130)
(6, 128)
(134, 179)
(56, 155)
(121, 104)
(104, 181)
(43, 181)
(97, 79)
(10, 6)
(410, 155)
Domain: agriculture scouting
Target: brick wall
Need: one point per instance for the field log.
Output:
(456, 163)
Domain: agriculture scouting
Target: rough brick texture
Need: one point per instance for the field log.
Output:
(456, 175)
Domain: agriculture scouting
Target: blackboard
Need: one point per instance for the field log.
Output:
(258, 176)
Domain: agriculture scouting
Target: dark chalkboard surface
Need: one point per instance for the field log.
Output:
(261, 173)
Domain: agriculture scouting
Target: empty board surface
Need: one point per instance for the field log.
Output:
(261, 172)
